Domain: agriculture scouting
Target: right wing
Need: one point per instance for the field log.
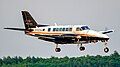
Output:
(105, 32)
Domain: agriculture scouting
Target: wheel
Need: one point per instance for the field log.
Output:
(82, 48)
(57, 49)
(106, 49)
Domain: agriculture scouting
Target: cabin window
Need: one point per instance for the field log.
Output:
(54, 29)
(66, 29)
(63, 29)
(43, 29)
(49, 29)
(60, 29)
(57, 29)
(70, 29)
(78, 29)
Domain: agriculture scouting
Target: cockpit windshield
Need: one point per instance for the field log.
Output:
(85, 28)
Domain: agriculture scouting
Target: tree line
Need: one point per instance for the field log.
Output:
(112, 60)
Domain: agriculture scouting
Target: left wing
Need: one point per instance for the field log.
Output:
(18, 29)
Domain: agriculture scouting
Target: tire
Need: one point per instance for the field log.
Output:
(106, 49)
(57, 49)
(82, 48)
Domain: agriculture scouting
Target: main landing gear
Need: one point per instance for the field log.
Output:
(82, 48)
(106, 49)
(57, 49)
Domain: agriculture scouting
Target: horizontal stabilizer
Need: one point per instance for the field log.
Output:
(19, 29)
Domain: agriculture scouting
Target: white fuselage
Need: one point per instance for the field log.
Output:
(78, 30)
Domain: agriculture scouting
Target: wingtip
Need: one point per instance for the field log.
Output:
(111, 30)
(4, 28)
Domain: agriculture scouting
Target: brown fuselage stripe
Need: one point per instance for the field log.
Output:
(54, 33)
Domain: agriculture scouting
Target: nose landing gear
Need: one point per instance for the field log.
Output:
(106, 49)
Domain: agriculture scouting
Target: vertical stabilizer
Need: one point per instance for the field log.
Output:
(29, 22)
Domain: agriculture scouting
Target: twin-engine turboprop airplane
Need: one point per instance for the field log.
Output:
(63, 34)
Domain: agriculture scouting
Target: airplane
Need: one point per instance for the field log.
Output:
(63, 34)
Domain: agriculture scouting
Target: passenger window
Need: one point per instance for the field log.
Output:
(54, 29)
(57, 29)
(49, 29)
(60, 29)
(78, 29)
(43, 29)
(66, 29)
(70, 29)
(63, 29)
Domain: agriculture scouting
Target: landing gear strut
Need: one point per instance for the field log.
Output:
(106, 49)
(57, 49)
(82, 48)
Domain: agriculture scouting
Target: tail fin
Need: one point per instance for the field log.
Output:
(29, 22)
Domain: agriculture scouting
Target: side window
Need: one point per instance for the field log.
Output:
(66, 29)
(78, 29)
(57, 29)
(43, 29)
(49, 29)
(60, 29)
(63, 29)
(54, 29)
(70, 29)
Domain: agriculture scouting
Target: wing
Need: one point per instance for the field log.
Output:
(61, 39)
(105, 32)
(18, 29)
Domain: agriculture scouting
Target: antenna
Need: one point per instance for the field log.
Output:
(55, 24)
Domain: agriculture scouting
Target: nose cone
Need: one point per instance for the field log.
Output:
(104, 36)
